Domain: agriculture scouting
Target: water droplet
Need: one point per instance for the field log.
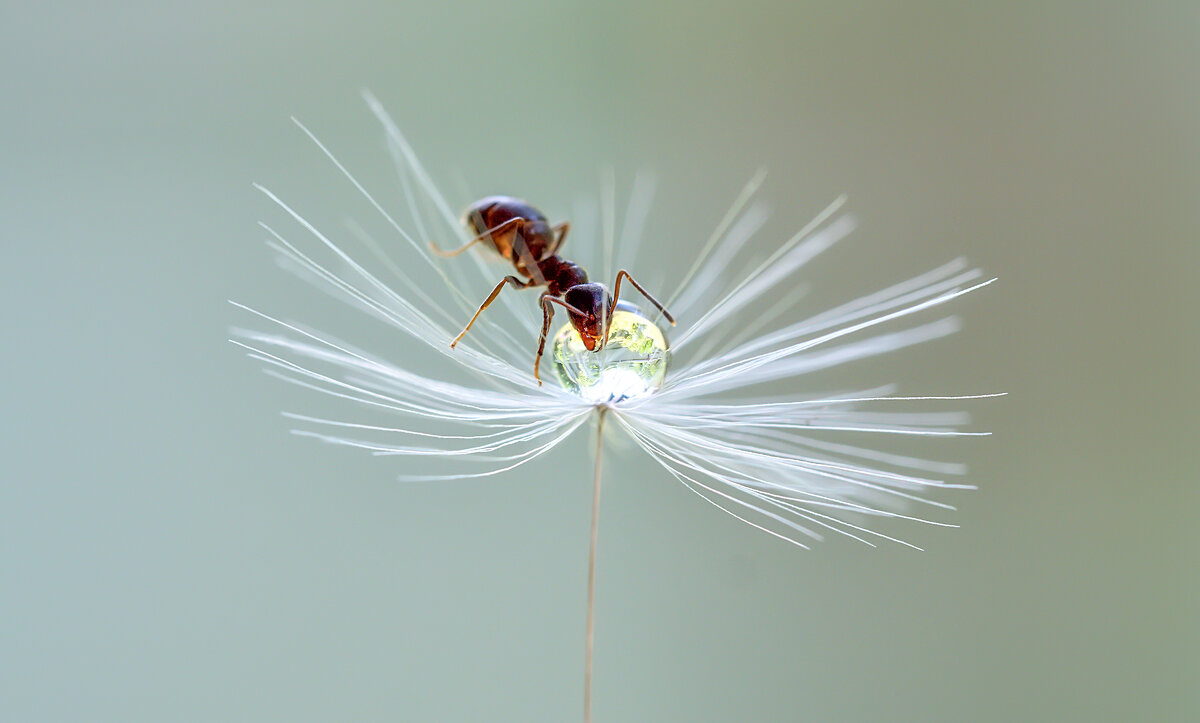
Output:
(632, 364)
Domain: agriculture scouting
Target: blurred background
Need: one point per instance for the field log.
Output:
(169, 552)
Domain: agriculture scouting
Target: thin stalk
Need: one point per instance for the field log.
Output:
(591, 594)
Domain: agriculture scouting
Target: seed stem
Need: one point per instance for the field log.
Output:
(591, 593)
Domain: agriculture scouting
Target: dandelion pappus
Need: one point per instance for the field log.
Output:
(521, 234)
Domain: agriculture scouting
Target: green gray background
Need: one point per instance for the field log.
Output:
(168, 552)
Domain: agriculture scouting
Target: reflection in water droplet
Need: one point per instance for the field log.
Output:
(632, 364)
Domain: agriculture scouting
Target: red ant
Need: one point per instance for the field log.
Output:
(520, 233)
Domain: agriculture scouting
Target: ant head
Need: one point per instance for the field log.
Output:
(592, 324)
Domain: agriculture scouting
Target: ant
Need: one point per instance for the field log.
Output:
(520, 233)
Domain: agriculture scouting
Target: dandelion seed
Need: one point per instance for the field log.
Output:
(774, 462)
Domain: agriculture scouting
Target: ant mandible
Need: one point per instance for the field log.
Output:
(520, 233)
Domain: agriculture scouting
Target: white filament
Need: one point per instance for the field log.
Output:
(791, 467)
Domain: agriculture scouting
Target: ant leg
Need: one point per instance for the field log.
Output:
(547, 316)
(517, 283)
(623, 274)
(560, 235)
(509, 226)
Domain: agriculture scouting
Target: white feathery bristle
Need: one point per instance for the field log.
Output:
(796, 468)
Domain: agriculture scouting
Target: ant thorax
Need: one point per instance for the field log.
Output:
(561, 275)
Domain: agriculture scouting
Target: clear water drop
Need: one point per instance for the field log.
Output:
(632, 364)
